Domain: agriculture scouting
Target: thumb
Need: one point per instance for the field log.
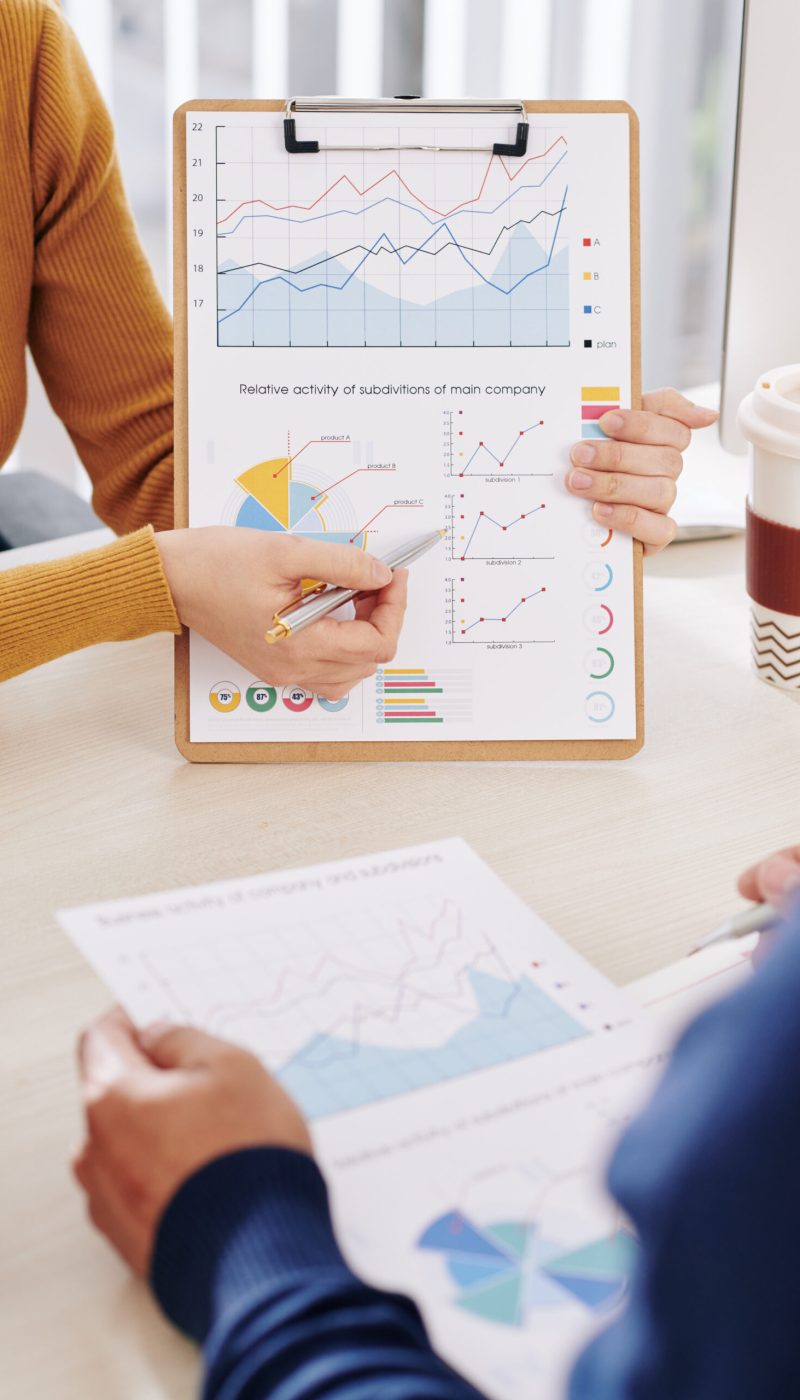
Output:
(341, 564)
(180, 1047)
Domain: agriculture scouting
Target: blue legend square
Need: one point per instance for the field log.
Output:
(587, 310)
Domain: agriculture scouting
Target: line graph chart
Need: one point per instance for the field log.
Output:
(387, 250)
(498, 615)
(363, 1006)
(504, 453)
(481, 535)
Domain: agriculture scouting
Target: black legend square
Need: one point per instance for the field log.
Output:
(587, 344)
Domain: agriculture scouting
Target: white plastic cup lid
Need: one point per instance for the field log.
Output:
(770, 416)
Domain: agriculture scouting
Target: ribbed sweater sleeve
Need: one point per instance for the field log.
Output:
(97, 327)
(247, 1263)
(111, 594)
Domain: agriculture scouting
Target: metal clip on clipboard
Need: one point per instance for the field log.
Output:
(517, 147)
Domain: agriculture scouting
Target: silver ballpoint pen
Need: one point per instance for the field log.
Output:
(755, 920)
(325, 598)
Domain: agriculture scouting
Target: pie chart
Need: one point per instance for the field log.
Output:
(275, 501)
(504, 1271)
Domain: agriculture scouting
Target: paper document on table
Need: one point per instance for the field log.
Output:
(430, 1024)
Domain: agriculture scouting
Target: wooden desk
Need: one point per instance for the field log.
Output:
(628, 861)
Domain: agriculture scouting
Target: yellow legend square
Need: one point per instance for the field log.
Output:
(587, 276)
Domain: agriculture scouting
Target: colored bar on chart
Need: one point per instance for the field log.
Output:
(596, 410)
(403, 671)
(592, 430)
(600, 394)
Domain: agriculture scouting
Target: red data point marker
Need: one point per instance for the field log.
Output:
(480, 444)
(504, 619)
(544, 590)
(483, 619)
(483, 512)
(522, 432)
(502, 464)
(522, 517)
(461, 600)
(505, 527)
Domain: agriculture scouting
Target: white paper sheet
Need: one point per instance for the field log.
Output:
(457, 1060)
(382, 344)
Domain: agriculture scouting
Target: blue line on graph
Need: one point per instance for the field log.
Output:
(508, 615)
(338, 287)
(499, 524)
(501, 461)
(401, 204)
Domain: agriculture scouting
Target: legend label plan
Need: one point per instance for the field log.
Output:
(384, 342)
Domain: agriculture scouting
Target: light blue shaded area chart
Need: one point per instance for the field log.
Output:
(512, 1019)
(524, 302)
(505, 1271)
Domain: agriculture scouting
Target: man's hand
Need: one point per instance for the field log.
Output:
(773, 880)
(631, 478)
(158, 1105)
(227, 584)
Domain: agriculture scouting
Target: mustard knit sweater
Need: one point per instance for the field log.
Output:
(75, 286)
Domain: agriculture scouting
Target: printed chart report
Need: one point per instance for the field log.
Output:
(382, 343)
(434, 1030)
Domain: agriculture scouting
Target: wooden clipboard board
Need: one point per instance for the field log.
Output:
(365, 751)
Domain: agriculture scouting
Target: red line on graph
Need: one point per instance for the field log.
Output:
(391, 506)
(440, 213)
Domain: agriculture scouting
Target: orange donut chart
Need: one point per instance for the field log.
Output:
(225, 697)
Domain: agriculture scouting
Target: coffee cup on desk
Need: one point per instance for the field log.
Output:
(770, 420)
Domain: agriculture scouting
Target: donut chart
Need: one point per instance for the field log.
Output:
(296, 699)
(275, 501)
(225, 697)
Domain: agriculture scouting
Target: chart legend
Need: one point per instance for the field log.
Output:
(595, 401)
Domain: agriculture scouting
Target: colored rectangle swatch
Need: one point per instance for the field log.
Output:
(592, 393)
(596, 410)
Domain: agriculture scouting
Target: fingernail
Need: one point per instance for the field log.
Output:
(612, 422)
(580, 481)
(583, 454)
(381, 573)
(603, 511)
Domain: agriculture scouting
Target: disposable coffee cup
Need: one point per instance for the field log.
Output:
(770, 420)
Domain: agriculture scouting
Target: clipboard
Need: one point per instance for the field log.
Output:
(295, 126)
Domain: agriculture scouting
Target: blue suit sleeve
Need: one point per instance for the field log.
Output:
(709, 1176)
(246, 1263)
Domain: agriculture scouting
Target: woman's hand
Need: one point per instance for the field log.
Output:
(631, 477)
(158, 1105)
(228, 583)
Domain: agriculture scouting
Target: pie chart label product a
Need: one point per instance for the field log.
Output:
(261, 698)
(225, 697)
(296, 699)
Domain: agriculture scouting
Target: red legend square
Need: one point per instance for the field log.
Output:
(587, 242)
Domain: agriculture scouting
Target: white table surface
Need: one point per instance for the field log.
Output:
(628, 861)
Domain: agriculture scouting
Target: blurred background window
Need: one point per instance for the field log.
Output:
(676, 62)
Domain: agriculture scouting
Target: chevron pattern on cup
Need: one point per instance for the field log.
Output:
(776, 651)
